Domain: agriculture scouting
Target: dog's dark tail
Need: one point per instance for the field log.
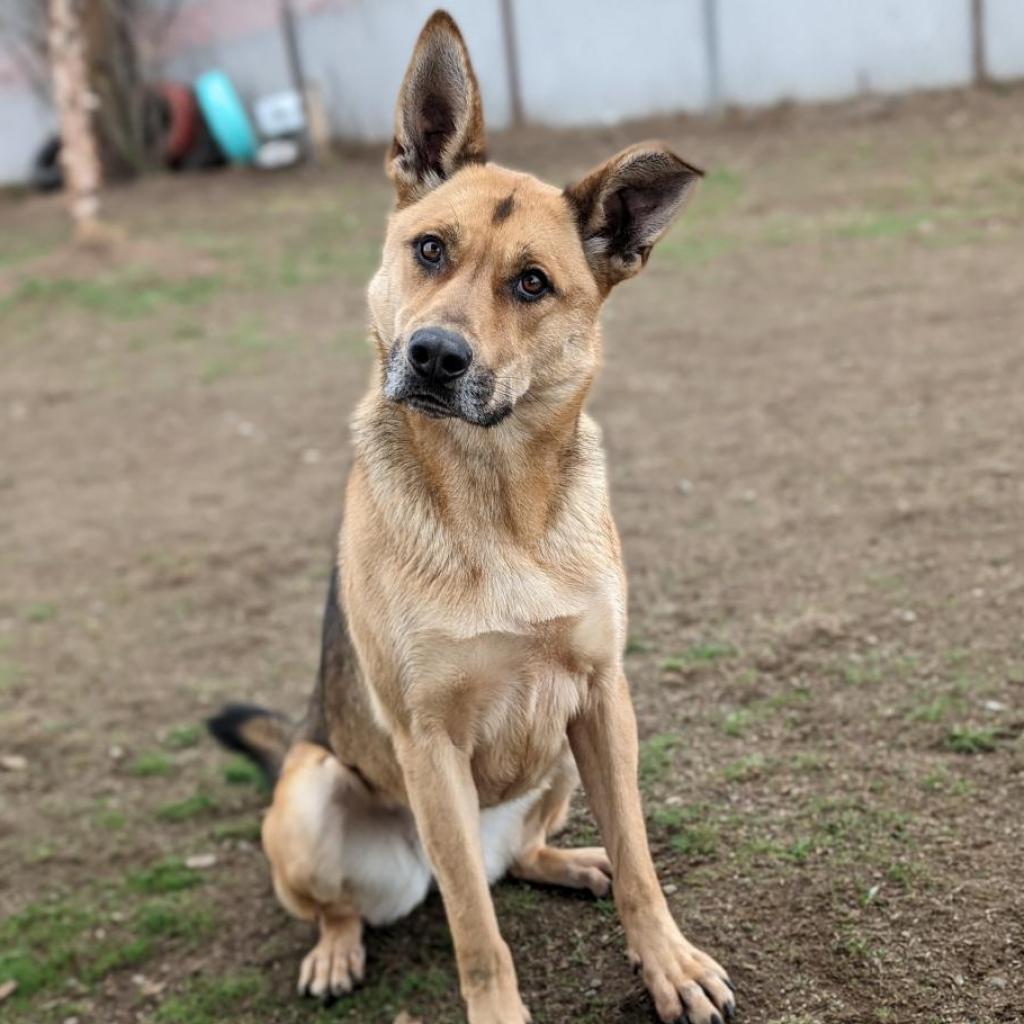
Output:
(261, 735)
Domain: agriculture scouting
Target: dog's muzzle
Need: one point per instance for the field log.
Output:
(434, 373)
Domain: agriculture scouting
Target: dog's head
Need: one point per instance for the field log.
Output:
(491, 284)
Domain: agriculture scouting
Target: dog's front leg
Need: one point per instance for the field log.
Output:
(444, 801)
(681, 978)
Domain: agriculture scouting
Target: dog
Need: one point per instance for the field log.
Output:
(471, 664)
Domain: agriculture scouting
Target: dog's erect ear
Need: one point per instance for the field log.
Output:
(624, 206)
(439, 121)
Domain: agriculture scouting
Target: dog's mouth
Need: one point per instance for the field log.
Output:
(430, 405)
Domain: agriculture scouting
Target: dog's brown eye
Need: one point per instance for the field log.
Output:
(430, 250)
(532, 285)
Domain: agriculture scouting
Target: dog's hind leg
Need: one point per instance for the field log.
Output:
(337, 859)
(536, 861)
(301, 837)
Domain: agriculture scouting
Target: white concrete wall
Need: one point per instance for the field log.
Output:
(828, 49)
(581, 61)
(602, 61)
(358, 53)
(26, 122)
(1004, 38)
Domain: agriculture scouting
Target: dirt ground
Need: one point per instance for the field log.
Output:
(814, 410)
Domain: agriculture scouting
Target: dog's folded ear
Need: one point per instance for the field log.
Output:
(439, 122)
(624, 206)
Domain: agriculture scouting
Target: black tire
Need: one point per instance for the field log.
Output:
(47, 173)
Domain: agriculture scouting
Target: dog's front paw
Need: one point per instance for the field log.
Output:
(335, 964)
(684, 982)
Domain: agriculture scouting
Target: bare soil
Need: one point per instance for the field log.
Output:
(814, 410)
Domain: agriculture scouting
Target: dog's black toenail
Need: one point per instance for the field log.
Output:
(730, 1011)
(715, 1019)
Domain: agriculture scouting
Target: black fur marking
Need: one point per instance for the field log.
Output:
(334, 640)
(504, 210)
(335, 657)
(228, 727)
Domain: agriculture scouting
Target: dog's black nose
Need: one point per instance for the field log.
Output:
(439, 355)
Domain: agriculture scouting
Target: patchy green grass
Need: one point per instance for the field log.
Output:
(717, 192)
(109, 817)
(181, 737)
(696, 656)
(688, 829)
(862, 672)
(386, 993)
(195, 806)
(240, 771)
(657, 756)
(937, 781)
(696, 841)
(81, 937)
(168, 875)
(857, 947)
(41, 611)
(9, 674)
(848, 831)
(967, 739)
(120, 297)
(116, 957)
(173, 918)
(151, 764)
(247, 829)
(429, 982)
(809, 761)
(684, 249)
(887, 581)
(14, 250)
(746, 768)
(936, 709)
(882, 224)
(637, 645)
(213, 1000)
(516, 898)
(737, 722)
(795, 851)
(40, 945)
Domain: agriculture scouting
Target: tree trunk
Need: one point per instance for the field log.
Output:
(75, 102)
(113, 68)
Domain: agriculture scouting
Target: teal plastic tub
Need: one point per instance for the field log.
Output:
(226, 117)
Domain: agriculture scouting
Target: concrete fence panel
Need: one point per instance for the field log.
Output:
(810, 50)
(1004, 38)
(602, 61)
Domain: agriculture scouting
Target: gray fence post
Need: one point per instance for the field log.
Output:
(508, 33)
(978, 61)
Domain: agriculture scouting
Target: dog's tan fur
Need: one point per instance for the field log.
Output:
(481, 573)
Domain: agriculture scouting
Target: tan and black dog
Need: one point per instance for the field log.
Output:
(473, 635)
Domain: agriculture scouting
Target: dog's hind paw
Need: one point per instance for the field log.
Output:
(335, 965)
(580, 868)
